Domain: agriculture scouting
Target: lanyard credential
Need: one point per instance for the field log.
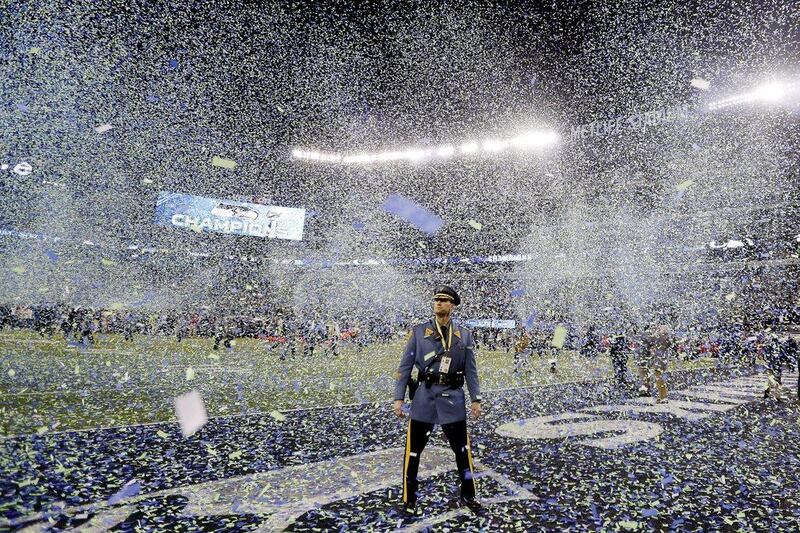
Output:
(446, 345)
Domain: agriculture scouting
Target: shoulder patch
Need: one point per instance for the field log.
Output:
(428, 331)
(457, 333)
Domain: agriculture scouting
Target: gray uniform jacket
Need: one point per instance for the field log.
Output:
(438, 404)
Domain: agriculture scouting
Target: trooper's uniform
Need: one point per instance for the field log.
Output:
(444, 358)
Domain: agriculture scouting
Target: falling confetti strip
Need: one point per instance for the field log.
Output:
(700, 83)
(559, 336)
(222, 162)
(413, 213)
(191, 413)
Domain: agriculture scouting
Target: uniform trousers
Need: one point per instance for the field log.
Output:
(417, 437)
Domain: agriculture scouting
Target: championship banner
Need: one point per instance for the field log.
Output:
(489, 323)
(228, 216)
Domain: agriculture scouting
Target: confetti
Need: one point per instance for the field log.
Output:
(222, 162)
(424, 166)
(416, 215)
(130, 489)
(277, 415)
(559, 336)
(191, 413)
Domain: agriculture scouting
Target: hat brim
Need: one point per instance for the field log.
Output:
(445, 296)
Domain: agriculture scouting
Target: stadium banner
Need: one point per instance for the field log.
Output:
(489, 323)
(229, 216)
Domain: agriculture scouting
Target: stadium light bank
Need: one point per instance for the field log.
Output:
(769, 93)
(531, 140)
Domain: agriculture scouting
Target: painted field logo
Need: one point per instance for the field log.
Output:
(693, 404)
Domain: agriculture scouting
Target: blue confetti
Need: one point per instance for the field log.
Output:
(418, 216)
(130, 489)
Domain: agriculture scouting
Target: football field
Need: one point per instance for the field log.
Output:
(47, 384)
(309, 444)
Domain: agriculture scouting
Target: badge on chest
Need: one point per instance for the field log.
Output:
(444, 364)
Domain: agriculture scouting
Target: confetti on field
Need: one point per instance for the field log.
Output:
(222, 162)
(108, 262)
(684, 185)
(475, 224)
(730, 296)
(191, 413)
(103, 128)
(700, 83)
(190, 373)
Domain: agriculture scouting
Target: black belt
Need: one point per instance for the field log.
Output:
(439, 378)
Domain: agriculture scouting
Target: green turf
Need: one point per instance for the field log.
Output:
(56, 388)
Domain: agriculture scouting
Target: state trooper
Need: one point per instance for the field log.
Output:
(443, 355)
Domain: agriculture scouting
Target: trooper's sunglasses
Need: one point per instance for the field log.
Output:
(442, 300)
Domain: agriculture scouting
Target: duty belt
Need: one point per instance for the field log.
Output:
(439, 378)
